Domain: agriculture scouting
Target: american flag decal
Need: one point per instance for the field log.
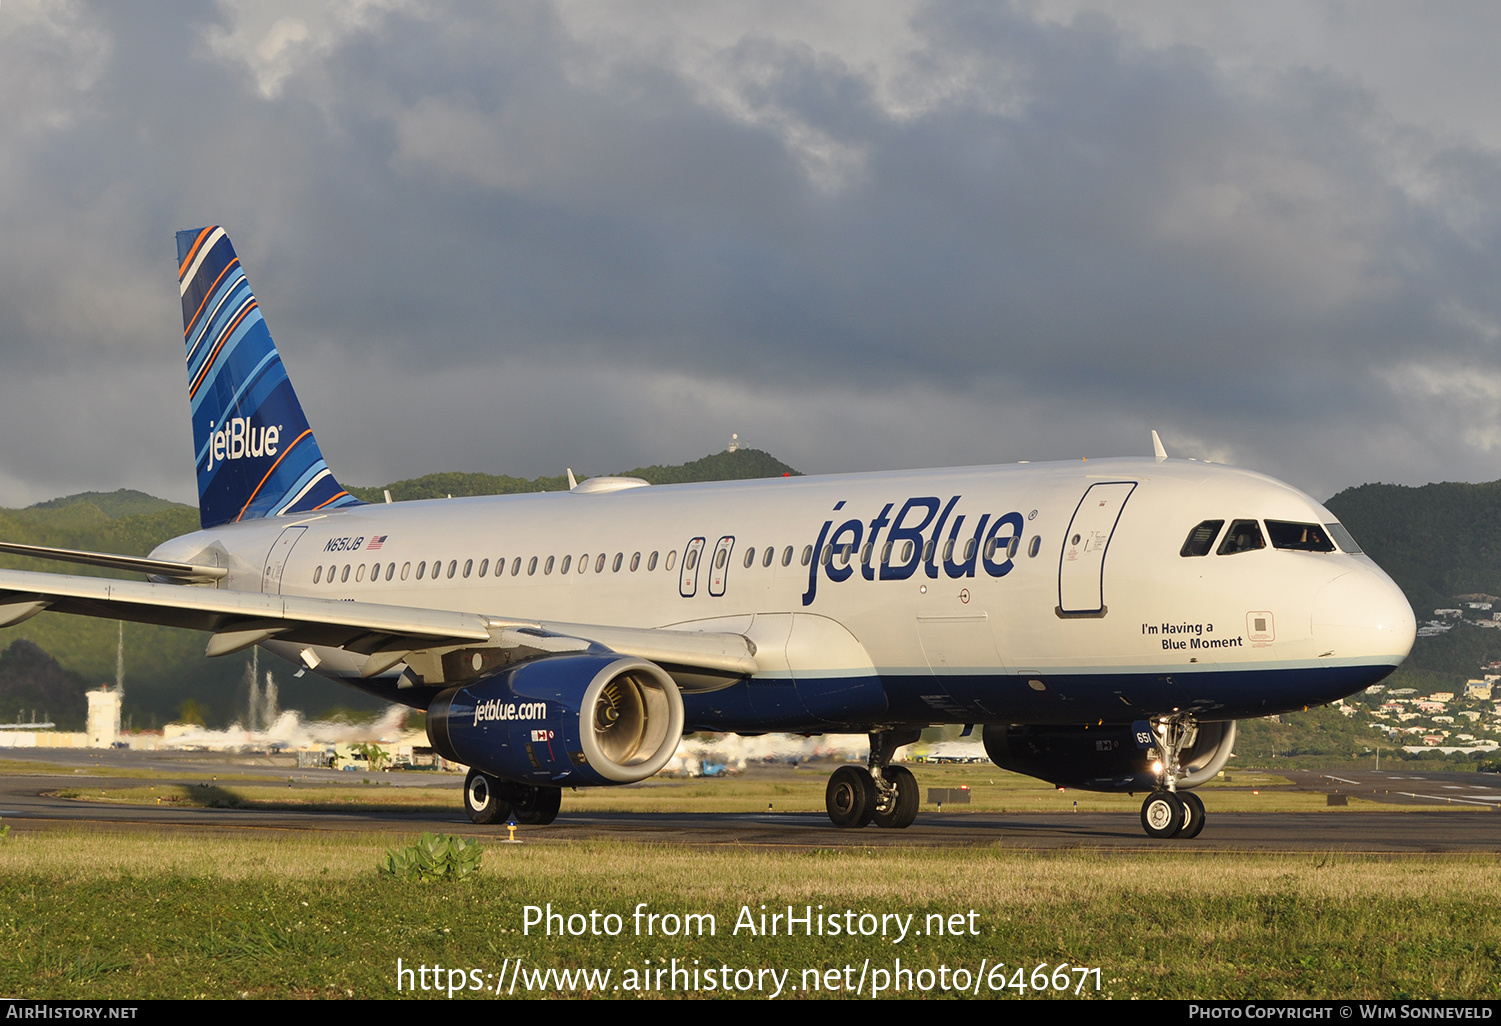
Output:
(376, 542)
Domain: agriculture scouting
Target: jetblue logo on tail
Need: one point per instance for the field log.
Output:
(239, 438)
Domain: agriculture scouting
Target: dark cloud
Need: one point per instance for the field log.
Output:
(515, 238)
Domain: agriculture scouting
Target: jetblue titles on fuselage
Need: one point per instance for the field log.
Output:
(905, 547)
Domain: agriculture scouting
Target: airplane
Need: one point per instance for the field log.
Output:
(1104, 622)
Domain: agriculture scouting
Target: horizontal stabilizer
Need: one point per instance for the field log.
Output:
(185, 572)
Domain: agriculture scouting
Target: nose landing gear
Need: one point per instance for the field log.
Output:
(1167, 812)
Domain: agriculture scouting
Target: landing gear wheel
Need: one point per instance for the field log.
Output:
(851, 797)
(536, 805)
(1162, 814)
(899, 812)
(482, 799)
(1193, 815)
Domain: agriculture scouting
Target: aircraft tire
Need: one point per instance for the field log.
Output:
(903, 810)
(851, 797)
(1193, 815)
(482, 799)
(535, 805)
(1162, 815)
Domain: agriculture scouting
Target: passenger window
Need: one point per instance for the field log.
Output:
(516, 566)
(1016, 543)
(969, 549)
(406, 568)
(750, 557)
(1036, 545)
(484, 566)
(787, 556)
(719, 560)
(317, 573)
(672, 557)
(468, 566)
(770, 553)
(421, 569)
(567, 562)
(865, 554)
(1243, 536)
(583, 562)
(390, 571)
(886, 555)
(651, 562)
(807, 554)
(828, 551)
(547, 567)
(948, 550)
(453, 566)
(1201, 539)
(615, 566)
(690, 560)
(344, 577)
(635, 561)
(531, 568)
(599, 563)
(1298, 537)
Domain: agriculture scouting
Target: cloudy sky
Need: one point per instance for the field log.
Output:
(866, 235)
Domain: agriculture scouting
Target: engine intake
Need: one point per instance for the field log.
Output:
(569, 720)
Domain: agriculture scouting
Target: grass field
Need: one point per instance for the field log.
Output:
(287, 914)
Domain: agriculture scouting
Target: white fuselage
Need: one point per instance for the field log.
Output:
(1089, 614)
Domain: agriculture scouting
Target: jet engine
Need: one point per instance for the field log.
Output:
(565, 720)
(1105, 758)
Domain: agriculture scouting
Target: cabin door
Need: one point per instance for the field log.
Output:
(1081, 565)
(276, 559)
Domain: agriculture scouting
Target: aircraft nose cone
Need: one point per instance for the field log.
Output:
(1364, 614)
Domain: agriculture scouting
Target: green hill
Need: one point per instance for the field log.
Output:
(123, 502)
(720, 466)
(1436, 541)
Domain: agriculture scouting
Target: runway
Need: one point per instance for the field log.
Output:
(1469, 822)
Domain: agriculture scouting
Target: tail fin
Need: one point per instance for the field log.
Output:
(256, 455)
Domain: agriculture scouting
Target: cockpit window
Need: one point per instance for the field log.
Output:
(1346, 543)
(1201, 538)
(1298, 537)
(1243, 536)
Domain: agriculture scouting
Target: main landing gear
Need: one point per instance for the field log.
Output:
(1168, 812)
(883, 793)
(489, 800)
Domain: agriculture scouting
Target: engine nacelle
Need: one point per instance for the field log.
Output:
(1104, 758)
(569, 720)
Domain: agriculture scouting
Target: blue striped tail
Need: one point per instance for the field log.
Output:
(256, 455)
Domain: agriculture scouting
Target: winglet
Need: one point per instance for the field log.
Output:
(1157, 449)
(572, 481)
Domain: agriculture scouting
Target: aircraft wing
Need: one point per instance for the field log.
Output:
(385, 634)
